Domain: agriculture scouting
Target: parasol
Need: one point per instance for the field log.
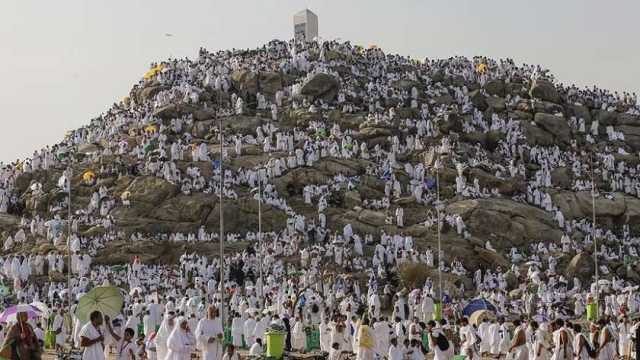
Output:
(42, 307)
(478, 316)
(106, 299)
(10, 313)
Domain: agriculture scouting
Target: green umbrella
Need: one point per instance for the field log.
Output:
(119, 268)
(106, 299)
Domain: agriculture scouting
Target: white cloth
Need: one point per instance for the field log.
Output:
(179, 344)
(95, 351)
(209, 329)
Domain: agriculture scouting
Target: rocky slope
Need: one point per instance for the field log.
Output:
(456, 93)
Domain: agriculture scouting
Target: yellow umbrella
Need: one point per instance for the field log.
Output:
(481, 68)
(88, 176)
(151, 129)
(153, 72)
(106, 299)
(480, 315)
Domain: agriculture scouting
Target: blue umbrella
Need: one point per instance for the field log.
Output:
(477, 304)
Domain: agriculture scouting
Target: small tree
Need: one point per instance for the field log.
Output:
(413, 275)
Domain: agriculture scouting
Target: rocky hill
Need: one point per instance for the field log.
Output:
(513, 149)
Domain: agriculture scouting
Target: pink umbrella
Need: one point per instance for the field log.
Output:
(10, 314)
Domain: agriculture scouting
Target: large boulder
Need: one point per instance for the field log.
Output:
(508, 186)
(631, 135)
(294, 180)
(270, 82)
(536, 135)
(578, 205)
(556, 125)
(149, 92)
(606, 118)
(561, 177)
(506, 223)
(243, 124)
(545, 90)
(321, 86)
(245, 81)
(371, 217)
(185, 208)
(496, 103)
(628, 119)
(242, 216)
(478, 100)
(581, 266)
(151, 190)
(491, 258)
(373, 132)
(172, 111)
(346, 167)
(579, 111)
(8, 221)
(495, 87)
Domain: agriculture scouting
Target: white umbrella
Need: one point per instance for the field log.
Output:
(138, 289)
(44, 309)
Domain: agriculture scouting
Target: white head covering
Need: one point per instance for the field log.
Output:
(179, 338)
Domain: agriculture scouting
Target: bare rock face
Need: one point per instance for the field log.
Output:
(555, 125)
(545, 90)
(321, 86)
(577, 205)
(506, 223)
(580, 266)
(495, 87)
(536, 135)
(270, 83)
(245, 81)
(375, 218)
(151, 190)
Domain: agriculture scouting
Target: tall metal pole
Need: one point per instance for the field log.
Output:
(440, 260)
(260, 258)
(69, 175)
(222, 307)
(593, 233)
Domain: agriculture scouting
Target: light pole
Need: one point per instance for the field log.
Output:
(438, 209)
(436, 166)
(260, 258)
(222, 308)
(68, 176)
(593, 234)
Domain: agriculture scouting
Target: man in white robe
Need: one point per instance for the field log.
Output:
(209, 335)
(298, 336)
(249, 328)
(237, 326)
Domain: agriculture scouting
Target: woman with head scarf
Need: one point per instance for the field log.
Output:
(21, 340)
(181, 342)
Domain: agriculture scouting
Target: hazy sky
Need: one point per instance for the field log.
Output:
(64, 62)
